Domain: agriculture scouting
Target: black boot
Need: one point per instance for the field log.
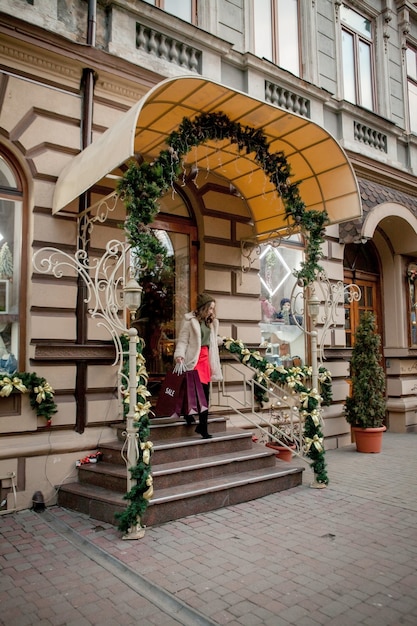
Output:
(201, 428)
(189, 419)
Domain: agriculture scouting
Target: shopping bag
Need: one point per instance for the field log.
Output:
(170, 399)
(197, 394)
(190, 404)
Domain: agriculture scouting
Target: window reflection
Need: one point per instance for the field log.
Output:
(357, 58)
(276, 35)
(412, 280)
(282, 317)
(411, 58)
(10, 254)
(183, 9)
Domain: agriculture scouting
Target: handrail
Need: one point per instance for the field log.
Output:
(265, 421)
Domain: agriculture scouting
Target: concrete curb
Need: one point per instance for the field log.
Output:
(162, 599)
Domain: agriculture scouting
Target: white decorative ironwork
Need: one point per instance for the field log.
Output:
(104, 278)
(325, 297)
(110, 290)
(96, 213)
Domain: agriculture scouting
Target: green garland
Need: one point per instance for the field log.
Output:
(141, 187)
(294, 378)
(144, 183)
(41, 394)
(141, 493)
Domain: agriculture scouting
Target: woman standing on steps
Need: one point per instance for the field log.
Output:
(198, 348)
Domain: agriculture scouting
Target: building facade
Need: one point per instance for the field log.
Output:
(69, 71)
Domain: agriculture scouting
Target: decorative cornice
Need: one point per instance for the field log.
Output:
(120, 90)
(33, 61)
(23, 38)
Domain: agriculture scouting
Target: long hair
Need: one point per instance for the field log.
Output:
(203, 315)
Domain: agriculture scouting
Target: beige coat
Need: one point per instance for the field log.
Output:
(189, 345)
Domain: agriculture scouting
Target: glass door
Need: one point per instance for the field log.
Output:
(167, 295)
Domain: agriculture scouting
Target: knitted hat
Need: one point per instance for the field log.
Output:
(202, 299)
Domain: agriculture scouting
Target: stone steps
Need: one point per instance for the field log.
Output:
(191, 475)
(177, 473)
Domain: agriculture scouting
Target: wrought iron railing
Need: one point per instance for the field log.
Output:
(281, 421)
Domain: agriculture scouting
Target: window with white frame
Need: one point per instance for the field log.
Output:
(357, 58)
(10, 266)
(276, 32)
(184, 9)
(412, 88)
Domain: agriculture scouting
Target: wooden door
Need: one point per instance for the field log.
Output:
(361, 267)
(368, 301)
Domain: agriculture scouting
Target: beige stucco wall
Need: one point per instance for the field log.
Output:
(48, 138)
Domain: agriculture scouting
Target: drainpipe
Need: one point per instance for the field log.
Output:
(87, 95)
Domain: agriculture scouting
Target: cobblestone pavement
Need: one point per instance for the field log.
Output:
(345, 555)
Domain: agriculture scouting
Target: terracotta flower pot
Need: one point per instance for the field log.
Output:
(282, 452)
(368, 439)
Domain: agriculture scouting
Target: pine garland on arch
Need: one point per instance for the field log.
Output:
(144, 183)
(142, 186)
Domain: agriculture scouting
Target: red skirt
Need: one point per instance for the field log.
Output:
(203, 366)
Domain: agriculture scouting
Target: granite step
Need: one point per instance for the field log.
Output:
(170, 428)
(177, 473)
(177, 502)
(193, 446)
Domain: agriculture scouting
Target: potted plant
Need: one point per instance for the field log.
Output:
(366, 406)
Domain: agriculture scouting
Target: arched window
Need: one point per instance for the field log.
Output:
(10, 266)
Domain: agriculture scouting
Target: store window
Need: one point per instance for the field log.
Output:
(412, 88)
(276, 32)
(357, 58)
(10, 266)
(184, 9)
(412, 292)
(282, 315)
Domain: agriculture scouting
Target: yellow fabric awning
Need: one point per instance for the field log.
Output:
(327, 180)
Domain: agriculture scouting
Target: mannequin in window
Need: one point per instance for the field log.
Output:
(285, 315)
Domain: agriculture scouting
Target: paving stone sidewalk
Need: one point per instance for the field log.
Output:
(345, 555)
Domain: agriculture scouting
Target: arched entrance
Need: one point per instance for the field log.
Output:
(168, 292)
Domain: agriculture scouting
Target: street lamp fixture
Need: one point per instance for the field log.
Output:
(132, 296)
(313, 304)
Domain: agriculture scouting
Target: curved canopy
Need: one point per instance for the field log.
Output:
(326, 178)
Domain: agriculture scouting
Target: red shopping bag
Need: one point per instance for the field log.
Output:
(171, 395)
(194, 396)
(189, 403)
